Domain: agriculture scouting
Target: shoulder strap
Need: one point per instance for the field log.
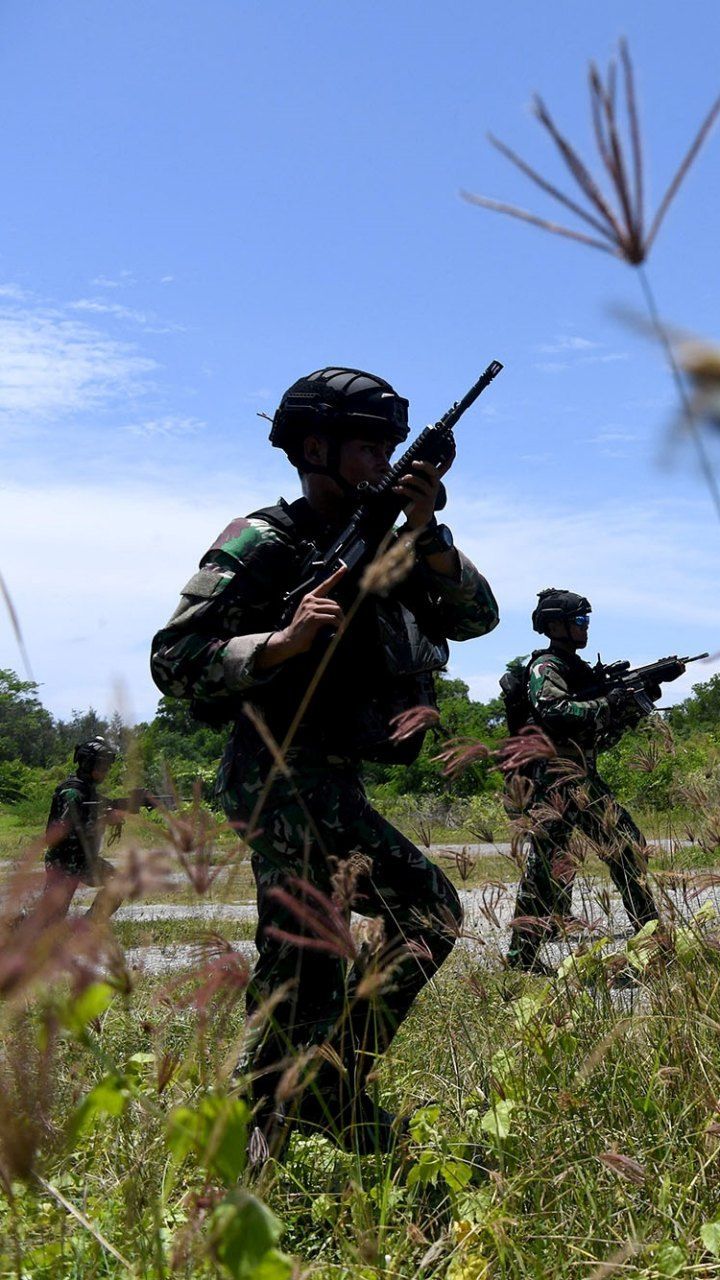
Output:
(284, 516)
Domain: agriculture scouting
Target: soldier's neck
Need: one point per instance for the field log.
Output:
(563, 646)
(326, 499)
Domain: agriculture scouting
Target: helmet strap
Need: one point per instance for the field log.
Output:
(331, 467)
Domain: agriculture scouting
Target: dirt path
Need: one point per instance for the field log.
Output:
(488, 912)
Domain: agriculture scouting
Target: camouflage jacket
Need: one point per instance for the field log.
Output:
(234, 603)
(567, 702)
(77, 814)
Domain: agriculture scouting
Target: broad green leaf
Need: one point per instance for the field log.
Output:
(498, 1119)
(141, 1059)
(687, 942)
(244, 1232)
(274, 1266)
(503, 1065)
(108, 1098)
(457, 1173)
(423, 1123)
(669, 1259)
(216, 1131)
(524, 1009)
(426, 1170)
(710, 1236)
(706, 913)
(90, 1004)
(643, 935)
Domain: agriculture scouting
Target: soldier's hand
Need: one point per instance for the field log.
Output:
(315, 612)
(420, 488)
(618, 703)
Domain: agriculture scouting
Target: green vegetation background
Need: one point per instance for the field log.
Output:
(663, 771)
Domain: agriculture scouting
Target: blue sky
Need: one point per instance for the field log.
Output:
(201, 202)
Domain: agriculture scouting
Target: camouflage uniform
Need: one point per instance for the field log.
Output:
(568, 795)
(318, 814)
(78, 810)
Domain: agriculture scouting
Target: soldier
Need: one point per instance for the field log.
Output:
(75, 829)
(227, 645)
(561, 694)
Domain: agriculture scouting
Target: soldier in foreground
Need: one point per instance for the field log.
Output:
(75, 830)
(566, 698)
(230, 645)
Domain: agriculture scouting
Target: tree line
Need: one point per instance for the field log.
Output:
(36, 747)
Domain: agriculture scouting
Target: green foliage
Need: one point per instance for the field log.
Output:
(26, 728)
(215, 1131)
(698, 713)
(15, 780)
(460, 717)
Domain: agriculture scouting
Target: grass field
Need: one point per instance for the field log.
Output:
(566, 1127)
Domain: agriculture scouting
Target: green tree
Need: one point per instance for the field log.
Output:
(460, 717)
(27, 730)
(698, 713)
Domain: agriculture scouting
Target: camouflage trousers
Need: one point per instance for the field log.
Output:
(559, 810)
(312, 985)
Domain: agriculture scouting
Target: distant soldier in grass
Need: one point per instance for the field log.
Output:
(75, 831)
(563, 696)
(79, 816)
(230, 645)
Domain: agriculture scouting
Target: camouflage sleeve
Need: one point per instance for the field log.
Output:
(466, 605)
(227, 613)
(555, 706)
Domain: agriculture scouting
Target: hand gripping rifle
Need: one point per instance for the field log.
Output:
(641, 685)
(378, 507)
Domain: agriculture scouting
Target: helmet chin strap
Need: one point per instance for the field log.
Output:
(331, 468)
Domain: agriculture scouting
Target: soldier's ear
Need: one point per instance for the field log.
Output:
(315, 450)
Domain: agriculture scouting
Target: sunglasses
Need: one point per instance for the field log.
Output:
(582, 619)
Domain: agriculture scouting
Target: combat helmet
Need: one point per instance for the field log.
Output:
(341, 404)
(88, 755)
(555, 604)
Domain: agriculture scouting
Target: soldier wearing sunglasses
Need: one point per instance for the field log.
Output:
(564, 795)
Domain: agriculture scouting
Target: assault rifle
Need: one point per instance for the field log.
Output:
(641, 685)
(140, 798)
(378, 507)
(137, 799)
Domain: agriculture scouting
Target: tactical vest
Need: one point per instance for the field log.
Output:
(383, 666)
(515, 686)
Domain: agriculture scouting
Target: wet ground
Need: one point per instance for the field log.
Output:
(597, 911)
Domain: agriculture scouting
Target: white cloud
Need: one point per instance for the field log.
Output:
(51, 365)
(609, 358)
(93, 572)
(126, 278)
(573, 352)
(13, 292)
(654, 559)
(145, 319)
(612, 437)
(167, 426)
(566, 344)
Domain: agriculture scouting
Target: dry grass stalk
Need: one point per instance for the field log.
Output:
(528, 746)
(459, 754)
(325, 926)
(617, 218)
(414, 720)
(15, 624)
